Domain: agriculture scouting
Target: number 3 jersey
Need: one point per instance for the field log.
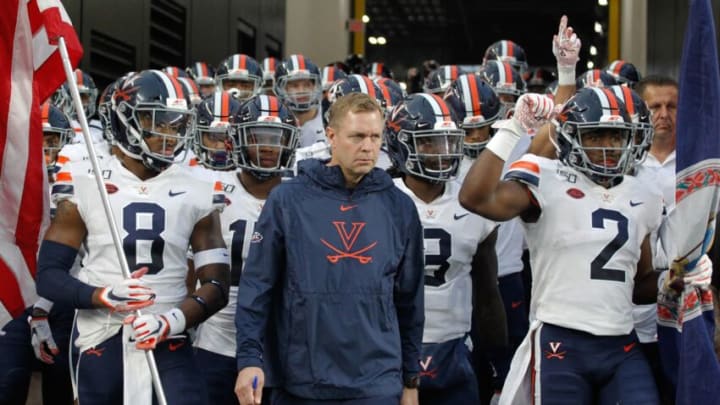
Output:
(217, 333)
(155, 219)
(585, 246)
(452, 235)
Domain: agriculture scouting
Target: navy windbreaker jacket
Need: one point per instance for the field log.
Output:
(338, 273)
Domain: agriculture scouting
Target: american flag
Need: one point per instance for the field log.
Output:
(32, 70)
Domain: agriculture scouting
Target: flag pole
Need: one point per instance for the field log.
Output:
(97, 173)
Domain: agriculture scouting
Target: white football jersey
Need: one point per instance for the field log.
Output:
(312, 131)
(452, 235)
(155, 218)
(585, 246)
(77, 152)
(96, 132)
(217, 334)
(511, 236)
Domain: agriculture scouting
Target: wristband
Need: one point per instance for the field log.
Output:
(210, 256)
(504, 141)
(566, 75)
(176, 321)
(44, 304)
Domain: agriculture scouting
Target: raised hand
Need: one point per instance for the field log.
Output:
(566, 45)
(533, 110)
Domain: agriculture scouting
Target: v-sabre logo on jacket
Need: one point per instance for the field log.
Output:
(348, 239)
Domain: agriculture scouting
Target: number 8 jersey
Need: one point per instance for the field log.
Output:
(155, 219)
(452, 236)
(585, 245)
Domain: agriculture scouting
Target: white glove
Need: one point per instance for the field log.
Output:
(151, 329)
(41, 337)
(128, 295)
(566, 45)
(701, 275)
(533, 110)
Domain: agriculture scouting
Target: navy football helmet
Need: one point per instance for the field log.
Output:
(88, 95)
(582, 119)
(507, 51)
(507, 83)
(392, 92)
(105, 107)
(269, 65)
(595, 78)
(538, 79)
(298, 83)
(640, 116)
(57, 132)
(214, 144)
(241, 75)
(476, 106)
(330, 74)
(204, 75)
(379, 69)
(151, 104)
(267, 136)
(423, 138)
(438, 81)
(624, 72)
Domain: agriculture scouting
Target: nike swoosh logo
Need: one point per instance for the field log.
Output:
(116, 298)
(175, 346)
(344, 208)
(629, 347)
(515, 304)
(171, 194)
(456, 216)
(635, 204)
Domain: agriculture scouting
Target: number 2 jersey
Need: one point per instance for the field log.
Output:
(155, 219)
(452, 235)
(585, 246)
(217, 333)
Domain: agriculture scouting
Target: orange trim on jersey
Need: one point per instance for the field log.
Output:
(61, 159)
(443, 107)
(63, 176)
(627, 95)
(301, 62)
(218, 186)
(524, 164)
(612, 100)
(474, 96)
(508, 73)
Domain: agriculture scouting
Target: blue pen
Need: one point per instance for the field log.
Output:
(254, 384)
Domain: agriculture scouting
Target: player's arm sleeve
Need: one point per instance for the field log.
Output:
(410, 294)
(263, 267)
(60, 247)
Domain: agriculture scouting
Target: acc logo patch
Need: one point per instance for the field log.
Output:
(256, 237)
(575, 193)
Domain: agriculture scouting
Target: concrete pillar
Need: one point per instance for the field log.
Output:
(316, 29)
(633, 33)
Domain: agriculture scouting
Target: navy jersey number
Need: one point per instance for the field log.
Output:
(144, 222)
(597, 267)
(440, 259)
(236, 250)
